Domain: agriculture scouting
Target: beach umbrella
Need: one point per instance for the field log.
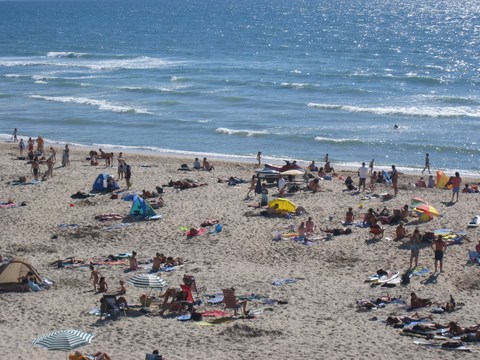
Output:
(427, 209)
(417, 201)
(147, 281)
(292, 172)
(64, 340)
(283, 205)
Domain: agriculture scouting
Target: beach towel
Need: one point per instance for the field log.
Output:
(195, 232)
(280, 282)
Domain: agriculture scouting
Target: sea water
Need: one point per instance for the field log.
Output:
(294, 79)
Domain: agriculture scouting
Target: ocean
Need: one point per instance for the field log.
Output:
(225, 79)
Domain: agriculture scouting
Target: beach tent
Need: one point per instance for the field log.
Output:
(13, 270)
(141, 208)
(101, 183)
(442, 180)
(283, 205)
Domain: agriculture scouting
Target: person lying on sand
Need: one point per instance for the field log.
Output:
(416, 302)
(392, 320)
(185, 184)
(337, 232)
(456, 329)
(109, 216)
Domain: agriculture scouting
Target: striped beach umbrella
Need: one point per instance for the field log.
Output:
(64, 340)
(147, 281)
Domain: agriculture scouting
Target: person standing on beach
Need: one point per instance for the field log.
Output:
(414, 247)
(455, 182)
(66, 156)
(128, 174)
(427, 164)
(259, 158)
(370, 166)
(30, 144)
(35, 167)
(40, 145)
(121, 164)
(21, 147)
(15, 135)
(95, 277)
(394, 176)
(439, 246)
(362, 173)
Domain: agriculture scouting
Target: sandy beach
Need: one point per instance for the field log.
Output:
(318, 318)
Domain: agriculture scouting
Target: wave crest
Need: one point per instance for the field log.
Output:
(228, 131)
(100, 104)
(425, 111)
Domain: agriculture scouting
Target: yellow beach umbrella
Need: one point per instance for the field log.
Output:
(283, 205)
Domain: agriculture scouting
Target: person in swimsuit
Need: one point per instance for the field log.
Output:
(310, 226)
(349, 216)
(455, 182)
(439, 246)
(35, 167)
(414, 247)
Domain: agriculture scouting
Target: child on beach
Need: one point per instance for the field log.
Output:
(133, 262)
(415, 247)
(21, 147)
(95, 276)
(128, 174)
(102, 285)
(439, 246)
(349, 216)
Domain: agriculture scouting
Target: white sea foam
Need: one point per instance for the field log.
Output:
(41, 82)
(296, 85)
(425, 111)
(142, 62)
(100, 104)
(241, 132)
(63, 54)
(13, 75)
(335, 140)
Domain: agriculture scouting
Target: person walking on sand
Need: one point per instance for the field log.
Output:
(394, 176)
(427, 164)
(14, 136)
(439, 246)
(259, 158)
(455, 182)
(362, 173)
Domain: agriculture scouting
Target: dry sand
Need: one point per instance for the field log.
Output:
(320, 320)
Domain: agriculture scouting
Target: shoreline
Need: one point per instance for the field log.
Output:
(241, 159)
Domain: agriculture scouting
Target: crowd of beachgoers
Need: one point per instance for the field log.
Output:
(255, 260)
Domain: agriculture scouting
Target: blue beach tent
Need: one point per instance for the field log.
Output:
(102, 183)
(141, 208)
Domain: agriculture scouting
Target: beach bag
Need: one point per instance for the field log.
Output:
(405, 279)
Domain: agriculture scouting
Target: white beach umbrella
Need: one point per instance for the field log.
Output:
(64, 340)
(147, 281)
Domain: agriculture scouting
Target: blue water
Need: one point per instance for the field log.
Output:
(293, 79)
